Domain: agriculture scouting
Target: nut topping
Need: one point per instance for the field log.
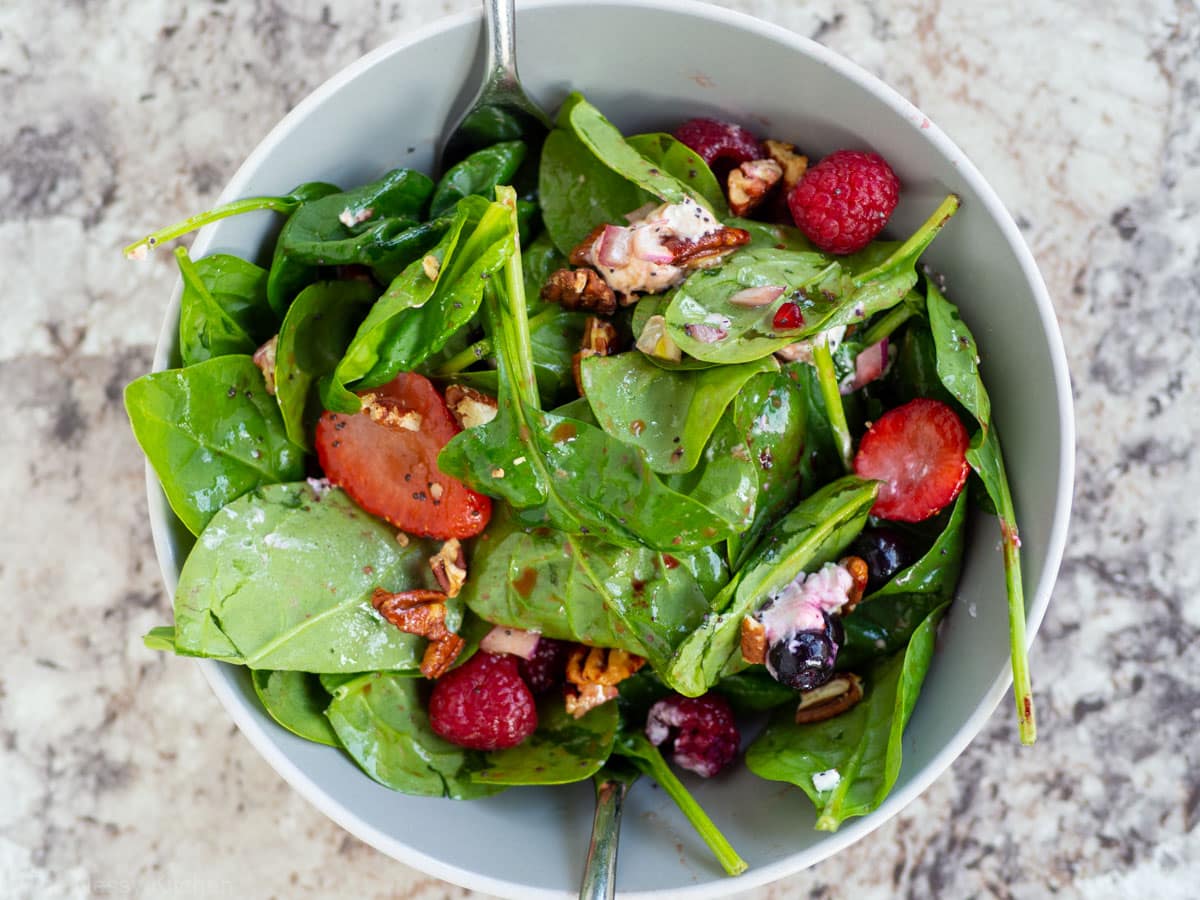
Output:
(599, 339)
(860, 572)
(754, 641)
(794, 165)
(449, 565)
(749, 184)
(470, 407)
(831, 699)
(593, 674)
(422, 613)
(580, 289)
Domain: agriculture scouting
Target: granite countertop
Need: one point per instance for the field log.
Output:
(119, 773)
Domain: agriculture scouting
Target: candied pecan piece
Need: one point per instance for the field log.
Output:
(860, 572)
(831, 699)
(582, 254)
(580, 289)
(449, 566)
(264, 358)
(794, 164)
(581, 699)
(749, 184)
(440, 655)
(423, 613)
(599, 339)
(469, 406)
(601, 665)
(707, 249)
(754, 641)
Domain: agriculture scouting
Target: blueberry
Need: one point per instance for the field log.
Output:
(805, 659)
(886, 551)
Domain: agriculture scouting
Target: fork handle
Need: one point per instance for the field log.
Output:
(501, 18)
(600, 869)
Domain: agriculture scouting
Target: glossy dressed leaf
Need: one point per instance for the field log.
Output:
(223, 309)
(669, 415)
(770, 235)
(211, 432)
(477, 175)
(316, 330)
(885, 620)
(284, 575)
(755, 691)
(677, 159)
(815, 532)
(726, 479)
(864, 745)
(381, 721)
(562, 750)
(297, 701)
(287, 276)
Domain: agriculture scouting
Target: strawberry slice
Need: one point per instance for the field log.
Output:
(918, 451)
(385, 457)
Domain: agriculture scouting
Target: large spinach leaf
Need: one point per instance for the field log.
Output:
(863, 745)
(284, 577)
(223, 309)
(883, 622)
(726, 479)
(828, 292)
(813, 533)
(381, 720)
(562, 750)
(315, 332)
(211, 432)
(297, 701)
(677, 159)
(477, 175)
(957, 361)
(669, 415)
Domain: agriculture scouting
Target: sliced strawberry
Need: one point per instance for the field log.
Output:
(918, 451)
(386, 459)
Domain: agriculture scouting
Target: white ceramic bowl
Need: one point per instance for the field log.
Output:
(649, 64)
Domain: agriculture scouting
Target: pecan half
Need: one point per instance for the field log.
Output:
(706, 250)
(599, 339)
(449, 566)
(264, 358)
(749, 184)
(469, 406)
(860, 572)
(580, 289)
(794, 164)
(601, 665)
(423, 613)
(831, 699)
(754, 641)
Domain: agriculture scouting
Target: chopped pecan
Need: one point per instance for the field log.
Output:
(601, 665)
(749, 184)
(582, 254)
(469, 406)
(860, 572)
(706, 250)
(423, 613)
(754, 641)
(580, 289)
(449, 566)
(831, 699)
(583, 698)
(599, 339)
(794, 165)
(387, 412)
(264, 358)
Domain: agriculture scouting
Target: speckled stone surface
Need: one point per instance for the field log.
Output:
(120, 775)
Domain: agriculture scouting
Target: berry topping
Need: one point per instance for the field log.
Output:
(804, 660)
(546, 668)
(844, 201)
(483, 704)
(696, 733)
(886, 551)
(788, 317)
(918, 451)
(716, 141)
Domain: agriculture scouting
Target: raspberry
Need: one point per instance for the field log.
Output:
(698, 732)
(547, 667)
(844, 201)
(483, 704)
(715, 140)
(918, 451)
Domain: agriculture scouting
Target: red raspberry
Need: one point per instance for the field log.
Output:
(918, 451)
(547, 667)
(715, 140)
(844, 201)
(483, 704)
(698, 732)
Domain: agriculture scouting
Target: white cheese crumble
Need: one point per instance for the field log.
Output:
(827, 780)
(801, 605)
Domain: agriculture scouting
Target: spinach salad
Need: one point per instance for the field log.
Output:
(581, 456)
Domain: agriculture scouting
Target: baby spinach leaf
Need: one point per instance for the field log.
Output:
(669, 415)
(318, 326)
(478, 175)
(381, 720)
(223, 309)
(958, 369)
(284, 575)
(772, 236)
(540, 260)
(771, 415)
(579, 588)
(297, 701)
(726, 480)
(287, 276)
(915, 372)
(211, 432)
(754, 691)
(633, 746)
(676, 158)
(883, 622)
(864, 745)
(562, 750)
(813, 533)
(828, 292)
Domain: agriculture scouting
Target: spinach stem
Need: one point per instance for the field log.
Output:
(917, 242)
(1011, 543)
(832, 395)
(483, 347)
(888, 323)
(138, 249)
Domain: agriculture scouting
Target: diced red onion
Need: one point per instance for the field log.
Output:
(868, 365)
(613, 248)
(510, 640)
(705, 334)
(757, 296)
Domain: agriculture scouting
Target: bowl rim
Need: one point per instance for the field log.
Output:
(235, 705)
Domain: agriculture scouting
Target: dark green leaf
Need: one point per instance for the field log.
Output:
(679, 160)
(287, 277)
(478, 175)
(223, 309)
(754, 691)
(297, 701)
